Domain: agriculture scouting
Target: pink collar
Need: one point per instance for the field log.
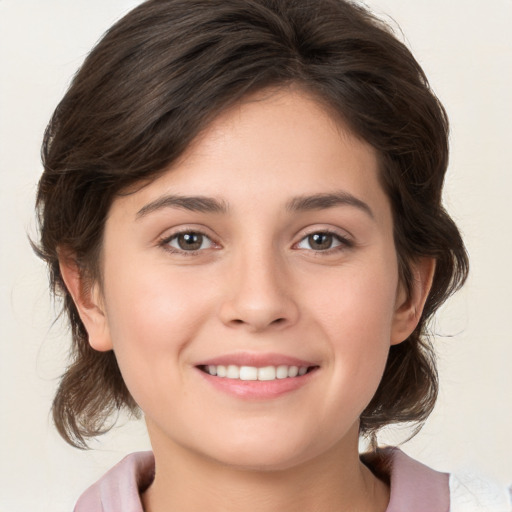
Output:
(414, 486)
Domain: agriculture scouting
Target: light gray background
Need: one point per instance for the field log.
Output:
(465, 48)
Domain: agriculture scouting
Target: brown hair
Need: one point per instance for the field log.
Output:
(160, 75)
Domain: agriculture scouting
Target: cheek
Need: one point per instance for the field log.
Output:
(144, 297)
(356, 314)
(358, 300)
(152, 317)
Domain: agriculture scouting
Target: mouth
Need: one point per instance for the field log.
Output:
(257, 376)
(254, 373)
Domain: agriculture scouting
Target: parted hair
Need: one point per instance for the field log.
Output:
(159, 76)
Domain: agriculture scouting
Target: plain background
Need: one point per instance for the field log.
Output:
(465, 48)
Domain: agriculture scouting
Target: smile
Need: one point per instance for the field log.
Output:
(265, 373)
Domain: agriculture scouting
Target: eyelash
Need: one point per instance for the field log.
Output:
(344, 242)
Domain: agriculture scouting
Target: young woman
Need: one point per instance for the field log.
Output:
(241, 206)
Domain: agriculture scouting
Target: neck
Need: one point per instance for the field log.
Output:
(335, 481)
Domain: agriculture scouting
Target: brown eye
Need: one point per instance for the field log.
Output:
(323, 241)
(189, 241)
(320, 241)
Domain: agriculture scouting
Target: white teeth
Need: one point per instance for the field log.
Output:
(248, 373)
(233, 372)
(282, 372)
(293, 371)
(267, 373)
(253, 373)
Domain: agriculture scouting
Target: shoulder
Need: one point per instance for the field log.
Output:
(120, 488)
(415, 486)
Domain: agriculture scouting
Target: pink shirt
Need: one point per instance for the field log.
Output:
(414, 486)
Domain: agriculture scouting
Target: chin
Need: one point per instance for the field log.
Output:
(262, 462)
(264, 453)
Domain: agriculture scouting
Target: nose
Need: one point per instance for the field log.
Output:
(259, 294)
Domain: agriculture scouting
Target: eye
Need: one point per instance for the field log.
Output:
(188, 241)
(323, 241)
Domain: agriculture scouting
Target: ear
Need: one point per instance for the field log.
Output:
(410, 307)
(88, 301)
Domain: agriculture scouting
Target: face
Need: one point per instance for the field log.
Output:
(251, 292)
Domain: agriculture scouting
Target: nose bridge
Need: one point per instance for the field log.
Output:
(259, 293)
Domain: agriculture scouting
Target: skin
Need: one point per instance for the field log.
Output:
(256, 285)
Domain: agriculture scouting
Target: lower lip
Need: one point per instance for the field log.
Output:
(258, 389)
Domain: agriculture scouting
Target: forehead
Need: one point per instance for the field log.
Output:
(274, 144)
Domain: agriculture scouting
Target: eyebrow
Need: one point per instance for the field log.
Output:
(327, 200)
(204, 204)
(200, 204)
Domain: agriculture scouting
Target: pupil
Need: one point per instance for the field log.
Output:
(190, 241)
(320, 241)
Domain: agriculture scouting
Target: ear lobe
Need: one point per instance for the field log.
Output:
(88, 301)
(409, 308)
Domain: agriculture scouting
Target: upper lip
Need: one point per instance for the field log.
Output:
(255, 359)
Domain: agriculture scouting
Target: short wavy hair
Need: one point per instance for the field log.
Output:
(160, 75)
